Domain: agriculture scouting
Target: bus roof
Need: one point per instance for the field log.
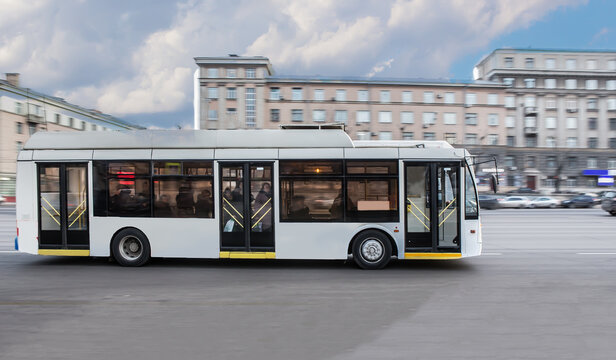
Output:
(212, 139)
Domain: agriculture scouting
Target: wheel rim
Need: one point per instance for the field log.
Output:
(130, 248)
(372, 250)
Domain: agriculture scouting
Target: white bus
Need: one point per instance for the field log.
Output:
(255, 194)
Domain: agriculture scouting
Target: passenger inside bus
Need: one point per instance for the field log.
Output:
(298, 209)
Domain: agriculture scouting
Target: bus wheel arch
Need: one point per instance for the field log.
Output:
(129, 246)
(372, 248)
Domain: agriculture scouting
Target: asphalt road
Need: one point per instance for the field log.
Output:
(544, 289)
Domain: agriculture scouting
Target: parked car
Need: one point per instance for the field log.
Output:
(489, 202)
(543, 202)
(583, 201)
(595, 197)
(522, 190)
(2, 199)
(609, 202)
(520, 202)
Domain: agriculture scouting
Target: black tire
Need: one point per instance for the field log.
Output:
(552, 206)
(571, 206)
(371, 250)
(613, 212)
(130, 247)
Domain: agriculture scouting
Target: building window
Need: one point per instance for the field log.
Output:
(530, 161)
(530, 101)
(385, 96)
(550, 122)
(530, 122)
(550, 63)
(592, 84)
(212, 114)
(231, 112)
(610, 85)
(510, 121)
(20, 129)
(510, 140)
(384, 116)
(592, 123)
(571, 182)
(550, 103)
(231, 93)
(318, 115)
(493, 119)
(407, 97)
(451, 138)
(591, 64)
(591, 162)
(296, 94)
(341, 116)
(571, 84)
(612, 124)
(340, 95)
(571, 64)
(449, 118)
(471, 99)
(406, 117)
(362, 95)
(470, 139)
(470, 119)
(550, 141)
(275, 93)
(571, 123)
(428, 97)
(612, 143)
(251, 107)
(19, 108)
(529, 83)
(508, 62)
(31, 128)
(550, 162)
(592, 104)
(385, 135)
(529, 63)
(56, 118)
(611, 64)
(492, 99)
(408, 135)
(429, 135)
(429, 118)
(593, 142)
(297, 115)
(212, 93)
(450, 98)
(550, 83)
(363, 116)
(531, 142)
(20, 146)
(509, 161)
(319, 95)
(611, 163)
(251, 73)
(363, 135)
(212, 73)
(509, 81)
(510, 102)
(492, 139)
(231, 73)
(571, 142)
(572, 105)
(611, 104)
(571, 161)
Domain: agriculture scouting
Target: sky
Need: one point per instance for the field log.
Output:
(135, 59)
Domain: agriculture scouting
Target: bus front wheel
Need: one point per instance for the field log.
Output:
(130, 247)
(371, 250)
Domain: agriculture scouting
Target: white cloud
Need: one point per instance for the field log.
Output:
(379, 67)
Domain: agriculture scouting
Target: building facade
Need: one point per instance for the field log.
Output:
(24, 112)
(560, 115)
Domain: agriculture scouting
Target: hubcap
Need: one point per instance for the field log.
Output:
(372, 249)
(130, 248)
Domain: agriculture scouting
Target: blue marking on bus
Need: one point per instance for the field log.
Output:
(16, 244)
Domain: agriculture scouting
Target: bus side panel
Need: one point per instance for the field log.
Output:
(324, 241)
(471, 239)
(184, 238)
(26, 207)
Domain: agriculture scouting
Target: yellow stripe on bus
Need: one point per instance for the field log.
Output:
(432, 256)
(64, 252)
(247, 255)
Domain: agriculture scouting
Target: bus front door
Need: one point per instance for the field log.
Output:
(63, 207)
(432, 207)
(246, 204)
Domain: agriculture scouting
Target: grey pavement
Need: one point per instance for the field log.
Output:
(545, 289)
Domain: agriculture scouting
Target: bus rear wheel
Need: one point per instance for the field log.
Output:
(130, 247)
(371, 250)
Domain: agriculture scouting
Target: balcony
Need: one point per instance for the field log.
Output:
(572, 110)
(530, 110)
(530, 131)
(32, 118)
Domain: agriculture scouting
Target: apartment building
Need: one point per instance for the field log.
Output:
(24, 112)
(243, 92)
(560, 115)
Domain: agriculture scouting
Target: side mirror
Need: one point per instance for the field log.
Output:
(494, 183)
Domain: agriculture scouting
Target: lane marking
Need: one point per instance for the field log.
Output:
(492, 254)
(8, 251)
(597, 253)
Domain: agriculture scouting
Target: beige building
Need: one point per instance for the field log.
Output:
(24, 112)
(243, 92)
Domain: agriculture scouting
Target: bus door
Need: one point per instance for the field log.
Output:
(432, 221)
(246, 204)
(63, 206)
